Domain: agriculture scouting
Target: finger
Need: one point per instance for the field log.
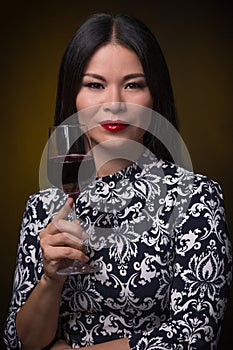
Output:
(72, 227)
(62, 214)
(65, 210)
(58, 253)
(74, 238)
(64, 239)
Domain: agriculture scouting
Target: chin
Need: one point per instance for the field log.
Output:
(119, 148)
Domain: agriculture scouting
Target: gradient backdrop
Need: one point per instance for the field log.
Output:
(196, 38)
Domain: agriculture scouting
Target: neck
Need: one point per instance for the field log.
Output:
(112, 166)
(109, 160)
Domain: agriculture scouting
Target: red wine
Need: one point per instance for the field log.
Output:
(64, 172)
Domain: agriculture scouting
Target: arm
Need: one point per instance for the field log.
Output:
(202, 277)
(36, 297)
(44, 301)
(60, 345)
(122, 344)
(36, 321)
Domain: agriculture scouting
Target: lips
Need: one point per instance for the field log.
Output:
(116, 125)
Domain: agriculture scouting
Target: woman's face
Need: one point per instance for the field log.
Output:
(114, 98)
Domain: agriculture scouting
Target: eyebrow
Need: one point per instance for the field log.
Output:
(126, 77)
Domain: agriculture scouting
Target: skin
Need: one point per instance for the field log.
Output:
(119, 80)
(59, 248)
(114, 91)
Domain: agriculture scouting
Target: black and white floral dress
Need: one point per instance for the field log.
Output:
(160, 235)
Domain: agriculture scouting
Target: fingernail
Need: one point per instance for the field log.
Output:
(84, 235)
(86, 258)
(85, 250)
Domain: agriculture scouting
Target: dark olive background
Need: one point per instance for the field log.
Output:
(196, 37)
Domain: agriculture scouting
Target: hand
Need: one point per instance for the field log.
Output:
(60, 345)
(61, 243)
(117, 344)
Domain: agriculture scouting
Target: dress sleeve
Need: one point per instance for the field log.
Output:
(28, 269)
(202, 276)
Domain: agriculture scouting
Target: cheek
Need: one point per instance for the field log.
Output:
(145, 100)
(83, 100)
(148, 101)
(140, 115)
(80, 101)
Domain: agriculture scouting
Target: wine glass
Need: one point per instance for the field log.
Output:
(71, 168)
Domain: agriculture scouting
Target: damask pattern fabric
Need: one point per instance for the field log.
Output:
(160, 235)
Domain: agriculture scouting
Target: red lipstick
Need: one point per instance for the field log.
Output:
(114, 125)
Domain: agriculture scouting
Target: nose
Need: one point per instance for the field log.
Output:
(114, 102)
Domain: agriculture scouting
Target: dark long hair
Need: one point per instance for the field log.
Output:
(100, 29)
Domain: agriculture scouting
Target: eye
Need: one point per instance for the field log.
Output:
(135, 85)
(94, 85)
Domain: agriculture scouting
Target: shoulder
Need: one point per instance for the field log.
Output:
(195, 183)
(200, 202)
(47, 195)
(45, 203)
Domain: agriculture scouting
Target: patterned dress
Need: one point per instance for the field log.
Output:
(160, 235)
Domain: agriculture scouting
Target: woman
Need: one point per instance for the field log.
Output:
(166, 272)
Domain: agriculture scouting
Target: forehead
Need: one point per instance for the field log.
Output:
(114, 57)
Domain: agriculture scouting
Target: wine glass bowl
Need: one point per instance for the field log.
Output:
(71, 168)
